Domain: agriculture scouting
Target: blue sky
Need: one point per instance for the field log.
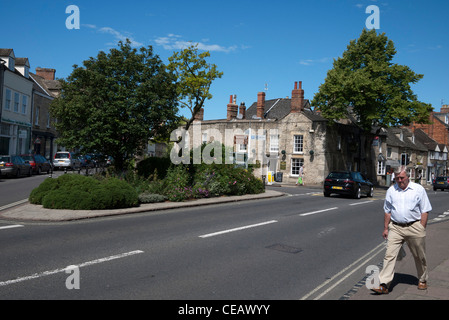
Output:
(257, 44)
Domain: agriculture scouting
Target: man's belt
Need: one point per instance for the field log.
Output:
(408, 224)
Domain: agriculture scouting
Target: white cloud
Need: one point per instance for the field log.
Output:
(308, 62)
(120, 36)
(175, 42)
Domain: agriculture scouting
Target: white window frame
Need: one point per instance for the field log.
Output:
(274, 143)
(298, 146)
(295, 165)
(381, 168)
(8, 99)
(24, 104)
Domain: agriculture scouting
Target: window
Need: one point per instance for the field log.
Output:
(8, 100)
(339, 143)
(298, 144)
(380, 168)
(16, 101)
(24, 104)
(389, 152)
(36, 119)
(405, 159)
(48, 119)
(274, 143)
(296, 164)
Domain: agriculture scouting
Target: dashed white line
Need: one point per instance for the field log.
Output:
(363, 202)
(85, 264)
(11, 226)
(237, 229)
(319, 211)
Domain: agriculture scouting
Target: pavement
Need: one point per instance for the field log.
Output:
(404, 286)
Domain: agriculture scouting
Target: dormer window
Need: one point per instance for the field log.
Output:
(401, 136)
(11, 63)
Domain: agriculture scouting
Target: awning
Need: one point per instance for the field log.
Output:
(393, 163)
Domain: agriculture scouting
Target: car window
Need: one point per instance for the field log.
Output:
(27, 158)
(62, 156)
(4, 159)
(339, 175)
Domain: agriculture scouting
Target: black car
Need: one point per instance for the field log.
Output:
(37, 162)
(440, 183)
(14, 166)
(348, 183)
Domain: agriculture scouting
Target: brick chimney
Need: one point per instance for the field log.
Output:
(242, 110)
(199, 115)
(445, 108)
(46, 73)
(260, 104)
(232, 109)
(297, 98)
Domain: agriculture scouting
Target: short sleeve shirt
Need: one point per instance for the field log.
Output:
(406, 205)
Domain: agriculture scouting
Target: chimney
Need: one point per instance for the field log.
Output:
(242, 110)
(232, 109)
(260, 104)
(199, 115)
(445, 108)
(297, 98)
(46, 73)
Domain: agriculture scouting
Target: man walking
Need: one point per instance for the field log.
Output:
(406, 212)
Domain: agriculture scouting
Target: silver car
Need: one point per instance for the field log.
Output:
(66, 160)
(14, 166)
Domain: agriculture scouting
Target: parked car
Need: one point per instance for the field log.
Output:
(86, 161)
(440, 183)
(66, 160)
(38, 163)
(348, 183)
(14, 166)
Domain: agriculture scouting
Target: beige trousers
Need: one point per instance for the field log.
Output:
(415, 237)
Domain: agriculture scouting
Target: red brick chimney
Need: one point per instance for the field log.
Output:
(260, 104)
(232, 109)
(46, 73)
(242, 110)
(297, 98)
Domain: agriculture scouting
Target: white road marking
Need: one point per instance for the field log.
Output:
(13, 204)
(11, 226)
(84, 264)
(237, 229)
(379, 248)
(319, 211)
(357, 203)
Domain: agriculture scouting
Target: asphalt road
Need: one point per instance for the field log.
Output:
(300, 246)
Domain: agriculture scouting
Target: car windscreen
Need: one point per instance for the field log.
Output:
(62, 156)
(339, 175)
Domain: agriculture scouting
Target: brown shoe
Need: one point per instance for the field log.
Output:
(381, 290)
(422, 285)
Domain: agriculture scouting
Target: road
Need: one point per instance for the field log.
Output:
(301, 246)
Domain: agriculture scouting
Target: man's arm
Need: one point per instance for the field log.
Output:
(424, 218)
(387, 219)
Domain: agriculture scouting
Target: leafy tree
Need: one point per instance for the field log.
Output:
(116, 102)
(366, 83)
(195, 76)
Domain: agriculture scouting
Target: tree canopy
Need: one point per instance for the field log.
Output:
(194, 76)
(365, 83)
(116, 102)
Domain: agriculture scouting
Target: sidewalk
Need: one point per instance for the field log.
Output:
(405, 282)
(35, 213)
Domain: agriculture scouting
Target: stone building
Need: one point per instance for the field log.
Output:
(277, 136)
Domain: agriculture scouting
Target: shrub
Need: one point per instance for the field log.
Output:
(77, 192)
(151, 197)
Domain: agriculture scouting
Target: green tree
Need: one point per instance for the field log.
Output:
(366, 83)
(195, 77)
(116, 102)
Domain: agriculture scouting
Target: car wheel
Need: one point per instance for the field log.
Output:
(358, 193)
(371, 192)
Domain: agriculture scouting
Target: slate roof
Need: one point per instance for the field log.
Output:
(393, 140)
(276, 109)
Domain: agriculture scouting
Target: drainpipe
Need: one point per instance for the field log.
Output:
(2, 72)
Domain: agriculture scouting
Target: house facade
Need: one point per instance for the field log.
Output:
(45, 90)
(276, 137)
(17, 91)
